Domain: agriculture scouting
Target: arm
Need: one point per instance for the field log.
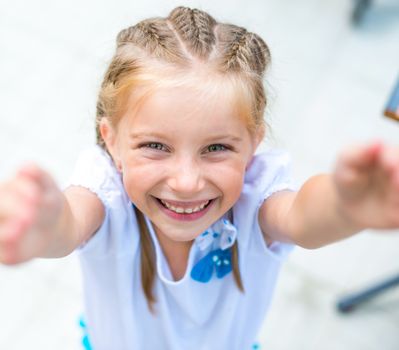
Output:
(83, 214)
(38, 220)
(363, 192)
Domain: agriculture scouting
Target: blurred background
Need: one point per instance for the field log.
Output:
(331, 76)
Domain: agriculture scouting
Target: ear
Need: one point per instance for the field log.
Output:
(257, 139)
(259, 136)
(109, 135)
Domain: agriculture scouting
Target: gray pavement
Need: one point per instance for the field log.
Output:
(328, 85)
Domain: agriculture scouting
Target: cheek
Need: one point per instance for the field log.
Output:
(137, 182)
(230, 180)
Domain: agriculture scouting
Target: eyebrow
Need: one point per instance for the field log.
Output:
(140, 135)
(232, 138)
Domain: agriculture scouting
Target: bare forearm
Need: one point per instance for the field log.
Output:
(362, 192)
(65, 237)
(315, 217)
(82, 215)
(38, 220)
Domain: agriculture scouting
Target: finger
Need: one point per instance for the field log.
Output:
(351, 182)
(27, 190)
(362, 157)
(16, 213)
(389, 159)
(352, 174)
(8, 204)
(10, 231)
(9, 252)
(393, 190)
(14, 227)
(18, 193)
(38, 175)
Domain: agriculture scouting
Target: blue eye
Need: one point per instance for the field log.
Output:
(155, 146)
(217, 148)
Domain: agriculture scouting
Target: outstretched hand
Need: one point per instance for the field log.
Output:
(30, 206)
(367, 181)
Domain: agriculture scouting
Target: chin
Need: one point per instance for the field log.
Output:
(185, 237)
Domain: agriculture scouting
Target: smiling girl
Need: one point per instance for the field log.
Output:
(180, 227)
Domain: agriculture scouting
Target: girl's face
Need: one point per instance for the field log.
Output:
(183, 159)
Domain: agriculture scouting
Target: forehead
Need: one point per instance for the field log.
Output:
(183, 108)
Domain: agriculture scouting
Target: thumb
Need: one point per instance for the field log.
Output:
(352, 173)
(361, 157)
(33, 172)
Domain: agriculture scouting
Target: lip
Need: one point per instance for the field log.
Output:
(182, 216)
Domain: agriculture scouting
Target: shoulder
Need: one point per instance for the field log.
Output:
(267, 173)
(95, 170)
(94, 163)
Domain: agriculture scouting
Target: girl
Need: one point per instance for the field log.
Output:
(180, 228)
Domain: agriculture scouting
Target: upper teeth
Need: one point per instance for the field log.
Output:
(181, 210)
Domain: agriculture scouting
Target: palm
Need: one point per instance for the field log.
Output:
(367, 179)
(29, 209)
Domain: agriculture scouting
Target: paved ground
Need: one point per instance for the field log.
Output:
(328, 85)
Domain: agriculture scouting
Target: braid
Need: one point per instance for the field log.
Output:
(153, 36)
(243, 51)
(235, 52)
(196, 30)
(261, 53)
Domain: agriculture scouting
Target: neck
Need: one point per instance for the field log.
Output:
(176, 254)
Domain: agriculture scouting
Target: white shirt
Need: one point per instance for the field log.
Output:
(189, 315)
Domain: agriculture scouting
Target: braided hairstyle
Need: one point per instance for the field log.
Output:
(158, 48)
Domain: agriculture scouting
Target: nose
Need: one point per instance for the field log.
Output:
(186, 176)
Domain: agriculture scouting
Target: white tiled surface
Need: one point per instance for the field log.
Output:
(328, 85)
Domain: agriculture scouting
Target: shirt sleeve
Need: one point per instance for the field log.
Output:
(94, 170)
(268, 173)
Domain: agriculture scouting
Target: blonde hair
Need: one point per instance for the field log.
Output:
(161, 52)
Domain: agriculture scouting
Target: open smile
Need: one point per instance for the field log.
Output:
(185, 211)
